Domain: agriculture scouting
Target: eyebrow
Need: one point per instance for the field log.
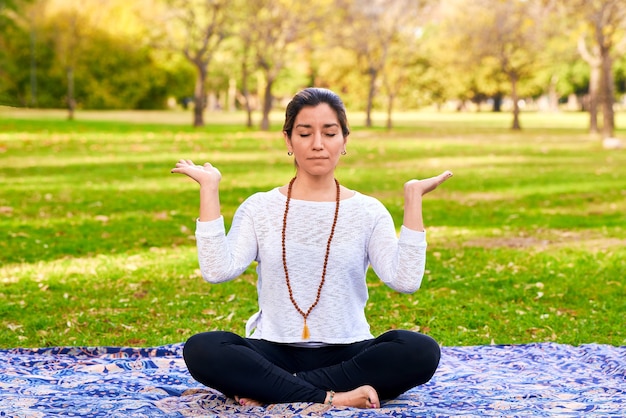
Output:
(326, 125)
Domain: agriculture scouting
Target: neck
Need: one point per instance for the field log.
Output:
(315, 188)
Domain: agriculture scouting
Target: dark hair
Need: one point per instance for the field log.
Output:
(314, 96)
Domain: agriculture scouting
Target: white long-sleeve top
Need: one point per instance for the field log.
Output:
(364, 235)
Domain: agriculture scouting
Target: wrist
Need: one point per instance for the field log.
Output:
(209, 187)
(413, 196)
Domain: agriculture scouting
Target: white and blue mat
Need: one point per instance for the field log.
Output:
(543, 379)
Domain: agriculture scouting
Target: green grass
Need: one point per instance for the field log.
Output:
(527, 242)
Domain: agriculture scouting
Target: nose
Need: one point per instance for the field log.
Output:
(318, 143)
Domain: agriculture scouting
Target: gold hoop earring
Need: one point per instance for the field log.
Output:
(290, 153)
(344, 152)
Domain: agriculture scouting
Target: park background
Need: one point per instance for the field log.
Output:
(522, 100)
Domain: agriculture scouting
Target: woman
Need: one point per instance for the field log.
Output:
(313, 240)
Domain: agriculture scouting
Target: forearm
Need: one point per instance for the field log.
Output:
(223, 257)
(209, 203)
(401, 264)
(399, 261)
(413, 218)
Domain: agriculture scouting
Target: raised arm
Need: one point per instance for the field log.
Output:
(208, 177)
(414, 190)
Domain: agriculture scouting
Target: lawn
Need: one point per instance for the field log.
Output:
(527, 242)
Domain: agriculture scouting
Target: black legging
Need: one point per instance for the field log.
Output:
(280, 373)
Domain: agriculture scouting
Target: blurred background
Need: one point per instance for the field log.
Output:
(380, 55)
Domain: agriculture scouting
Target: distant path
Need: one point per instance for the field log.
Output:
(169, 117)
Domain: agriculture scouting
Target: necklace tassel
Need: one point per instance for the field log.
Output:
(305, 331)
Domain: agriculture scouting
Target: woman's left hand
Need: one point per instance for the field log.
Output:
(421, 187)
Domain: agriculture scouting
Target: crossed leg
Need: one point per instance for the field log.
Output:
(258, 372)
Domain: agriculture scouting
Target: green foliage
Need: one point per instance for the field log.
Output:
(620, 75)
(450, 50)
(118, 75)
(14, 65)
(110, 72)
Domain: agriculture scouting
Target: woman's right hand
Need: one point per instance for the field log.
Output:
(205, 175)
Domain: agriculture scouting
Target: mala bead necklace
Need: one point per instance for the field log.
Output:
(305, 330)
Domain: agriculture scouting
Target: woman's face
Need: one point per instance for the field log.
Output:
(316, 140)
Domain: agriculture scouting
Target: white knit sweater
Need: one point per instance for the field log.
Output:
(364, 235)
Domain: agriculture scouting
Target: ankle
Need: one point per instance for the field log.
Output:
(330, 395)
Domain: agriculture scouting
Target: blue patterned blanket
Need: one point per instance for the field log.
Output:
(543, 379)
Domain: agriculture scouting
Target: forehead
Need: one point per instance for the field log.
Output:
(322, 114)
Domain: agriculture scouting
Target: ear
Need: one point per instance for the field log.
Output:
(287, 142)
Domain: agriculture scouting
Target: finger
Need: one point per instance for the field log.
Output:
(445, 175)
(181, 164)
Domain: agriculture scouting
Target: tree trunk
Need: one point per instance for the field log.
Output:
(246, 93)
(516, 125)
(232, 94)
(267, 104)
(553, 96)
(33, 67)
(608, 94)
(370, 97)
(497, 102)
(199, 95)
(594, 81)
(71, 101)
(390, 99)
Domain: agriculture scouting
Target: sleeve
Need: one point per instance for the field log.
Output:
(398, 261)
(224, 257)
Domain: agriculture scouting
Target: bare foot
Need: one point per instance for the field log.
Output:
(428, 185)
(247, 402)
(361, 397)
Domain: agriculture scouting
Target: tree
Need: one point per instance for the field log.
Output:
(17, 20)
(509, 36)
(404, 63)
(244, 50)
(400, 65)
(245, 53)
(69, 24)
(602, 37)
(196, 28)
(371, 29)
(274, 30)
(89, 55)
